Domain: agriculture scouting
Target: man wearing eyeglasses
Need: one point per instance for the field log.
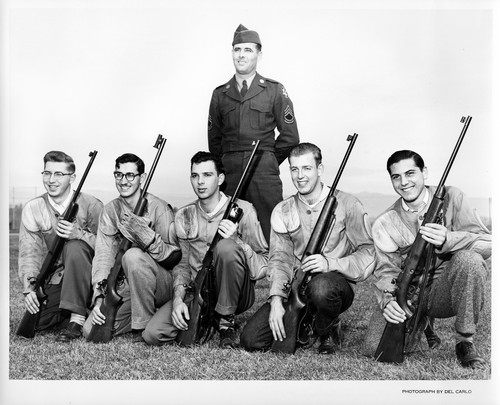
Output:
(147, 284)
(69, 289)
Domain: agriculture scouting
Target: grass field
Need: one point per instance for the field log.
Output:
(121, 359)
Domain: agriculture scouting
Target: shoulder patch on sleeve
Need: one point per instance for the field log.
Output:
(186, 222)
(288, 116)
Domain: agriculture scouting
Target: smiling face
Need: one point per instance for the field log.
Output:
(205, 180)
(245, 58)
(306, 173)
(128, 189)
(408, 181)
(58, 189)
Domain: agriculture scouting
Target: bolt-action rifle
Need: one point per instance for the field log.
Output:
(29, 322)
(296, 309)
(392, 343)
(201, 296)
(112, 300)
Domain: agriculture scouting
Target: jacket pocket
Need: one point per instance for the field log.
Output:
(259, 114)
(228, 114)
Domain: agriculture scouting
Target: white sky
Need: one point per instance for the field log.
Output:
(111, 75)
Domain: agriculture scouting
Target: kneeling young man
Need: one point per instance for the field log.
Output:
(148, 283)
(240, 257)
(458, 275)
(348, 256)
(69, 289)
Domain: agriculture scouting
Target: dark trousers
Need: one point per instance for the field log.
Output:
(327, 296)
(263, 188)
(74, 292)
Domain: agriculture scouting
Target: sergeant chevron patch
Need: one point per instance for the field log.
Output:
(288, 116)
(209, 122)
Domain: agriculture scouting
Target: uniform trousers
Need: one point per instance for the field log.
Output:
(235, 293)
(74, 292)
(263, 188)
(327, 296)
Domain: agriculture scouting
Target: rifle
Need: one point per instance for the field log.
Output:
(30, 321)
(392, 343)
(112, 300)
(296, 309)
(201, 296)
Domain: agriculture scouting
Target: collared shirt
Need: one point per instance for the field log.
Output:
(60, 208)
(37, 231)
(195, 230)
(349, 249)
(220, 204)
(240, 80)
(394, 232)
(422, 206)
(324, 193)
(109, 237)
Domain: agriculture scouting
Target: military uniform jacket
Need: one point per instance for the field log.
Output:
(235, 122)
(37, 232)
(394, 232)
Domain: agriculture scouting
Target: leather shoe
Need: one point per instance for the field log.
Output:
(72, 331)
(467, 355)
(227, 338)
(332, 341)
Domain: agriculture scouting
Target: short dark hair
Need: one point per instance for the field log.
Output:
(201, 156)
(58, 156)
(405, 154)
(306, 147)
(130, 158)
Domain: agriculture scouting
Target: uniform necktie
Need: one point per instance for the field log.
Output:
(244, 89)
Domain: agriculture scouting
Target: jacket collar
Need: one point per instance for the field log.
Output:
(257, 86)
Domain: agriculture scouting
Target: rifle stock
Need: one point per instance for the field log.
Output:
(201, 295)
(319, 237)
(29, 321)
(391, 346)
(112, 300)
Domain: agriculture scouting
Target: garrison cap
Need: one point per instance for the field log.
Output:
(243, 34)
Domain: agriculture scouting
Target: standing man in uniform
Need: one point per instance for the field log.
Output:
(247, 108)
(147, 284)
(69, 289)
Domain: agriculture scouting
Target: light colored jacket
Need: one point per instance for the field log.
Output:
(109, 237)
(349, 249)
(37, 232)
(394, 232)
(195, 230)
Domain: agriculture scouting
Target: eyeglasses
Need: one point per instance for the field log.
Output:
(129, 176)
(57, 175)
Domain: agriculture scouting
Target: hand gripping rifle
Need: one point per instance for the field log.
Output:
(112, 300)
(30, 321)
(201, 296)
(296, 308)
(392, 343)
